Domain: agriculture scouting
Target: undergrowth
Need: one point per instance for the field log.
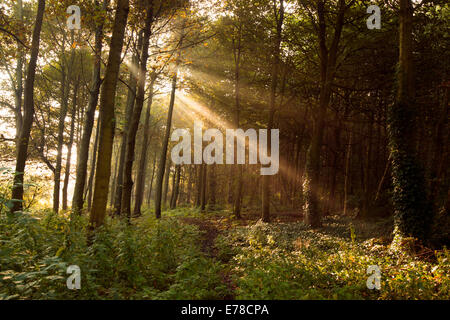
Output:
(151, 259)
(291, 261)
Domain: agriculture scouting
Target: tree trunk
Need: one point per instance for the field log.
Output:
(134, 124)
(150, 188)
(24, 138)
(203, 187)
(165, 189)
(165, 142)
(142, 166)
(279, 17)
(123, 145)
(65, 87)
(107, 125)
(83, 154)
(93, 164)
(198, 185)
(69, 145)
(212, 188)
(412, 212)
(347, 170)
(237, 168)
(176, 188)
(18, 87)
(327, 66)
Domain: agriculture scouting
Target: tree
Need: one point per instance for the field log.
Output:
(328, 57)
(165, 142)
(139, 193)
(107, 124)
(413, 214)
(134, 125)
(279, 17)
(83, 154)
(28, 105)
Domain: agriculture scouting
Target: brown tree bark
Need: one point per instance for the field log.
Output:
(18, 85)
(203, 195)
(328, 59)
(165, 190)
(237, 169)
(107, 99)
(123, 145)
(83, 153)
(279, 17)
(212, 188)
(28, 105)
(165, 142)
(142, 166)
(150, 187)
(134, 124)
(176, 187)
(65, 87)
(88, 193)
(69, 145)
(413, 213)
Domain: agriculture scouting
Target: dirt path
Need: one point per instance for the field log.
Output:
(210, 233)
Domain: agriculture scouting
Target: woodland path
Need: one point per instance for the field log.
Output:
(207, 225)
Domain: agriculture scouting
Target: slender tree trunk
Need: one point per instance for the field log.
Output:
(203, 197)
(107, 100)
(165, 189)
(367, 167)
(134, 124)
(66, 71)
(328, 66)
(279, 17)
(65, 86)
(165, 143)
(198, 185)
(83, 154)
(237, 169)
(93, 164)
(114, 181)
(123, 146)
(142, 166)
(347, 170)
(24, 138)
(18, 88)
(176, 188)
(189, 184)
(150, 188)
(212, 188)
(69, 145)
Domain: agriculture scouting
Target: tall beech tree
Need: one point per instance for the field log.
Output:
(107, 124)
(83, 154)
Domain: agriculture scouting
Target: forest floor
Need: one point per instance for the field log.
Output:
(264, 261)
(190, 254)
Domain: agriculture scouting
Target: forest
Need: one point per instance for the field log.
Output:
(224, 149)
